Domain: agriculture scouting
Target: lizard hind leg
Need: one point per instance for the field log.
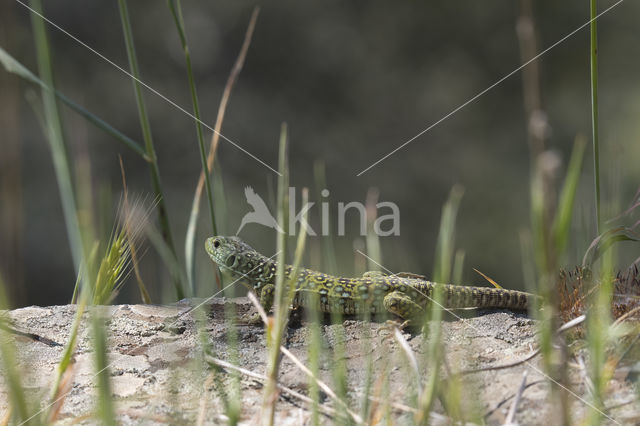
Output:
(400, 304)
(267, 295)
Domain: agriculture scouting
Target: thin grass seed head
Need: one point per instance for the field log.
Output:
(113, 267)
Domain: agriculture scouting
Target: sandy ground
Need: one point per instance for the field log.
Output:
(159, 376)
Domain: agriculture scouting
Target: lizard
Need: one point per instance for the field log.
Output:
(405, 295)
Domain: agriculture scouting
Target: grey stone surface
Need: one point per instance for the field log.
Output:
(159, 377)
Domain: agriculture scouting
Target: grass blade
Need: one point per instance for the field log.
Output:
(458, 267)
(58, 150)
(13, 66)
(442, 273)
(604, 241)
(593, 27)
(330, 264)
(372, 239)
(446, 237)
(105, 411)
(148, 140)
(215, 139)
(65, 361)
(275, 328)
(10, 368)
(562, 220)
(176, 12)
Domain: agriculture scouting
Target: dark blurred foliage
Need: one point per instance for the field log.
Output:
(353, 80)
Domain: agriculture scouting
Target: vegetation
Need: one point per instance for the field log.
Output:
(596, 297)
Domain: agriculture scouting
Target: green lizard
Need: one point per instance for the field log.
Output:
(405, 295)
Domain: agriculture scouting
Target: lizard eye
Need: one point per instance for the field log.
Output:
(231, 261)
(216, 243)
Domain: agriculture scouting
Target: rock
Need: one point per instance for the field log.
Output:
(161, 377)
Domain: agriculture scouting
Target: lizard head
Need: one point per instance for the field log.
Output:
(234, 256)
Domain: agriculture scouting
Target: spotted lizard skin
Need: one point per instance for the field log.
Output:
(405, 295)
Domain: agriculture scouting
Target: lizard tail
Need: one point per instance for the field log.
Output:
(486, 297)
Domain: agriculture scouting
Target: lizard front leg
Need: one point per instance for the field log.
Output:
(266, 301)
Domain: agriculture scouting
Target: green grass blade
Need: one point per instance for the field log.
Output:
(539, 231)
(458, 267)
(13, 66)
(274, 332)
(148, 140)
(562, 221)
(598, 322)
(56, 140)
(55, 397)
(444, 264)
(176, 12)
(212, 163)
(593, 9)
(330, 264)
(372, 239)
(10, 369)
(446, 236)
(603, 242)
(105, 411)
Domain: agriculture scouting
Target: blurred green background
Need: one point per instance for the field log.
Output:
(353, 81)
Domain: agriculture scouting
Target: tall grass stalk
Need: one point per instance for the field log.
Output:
(593, 27)
(367, 348)
(444, 263)
(550, 236)
(374, 252)
(314, 353)
(598, 323)
(277, 325)
(444, 255)
(458, 267)
(339, 368)
(176, 11)
(10, 370)
(57, 391)
(218, 189)
(561, 226)
(56, 140)
(330, 264)
(230, 398)
(105, 411)
(154, 169)
(15, 67)
(234, 406)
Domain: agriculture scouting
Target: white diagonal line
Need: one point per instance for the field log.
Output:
(536, 369)
(151, 89)
(136, 347)
(489, 88)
